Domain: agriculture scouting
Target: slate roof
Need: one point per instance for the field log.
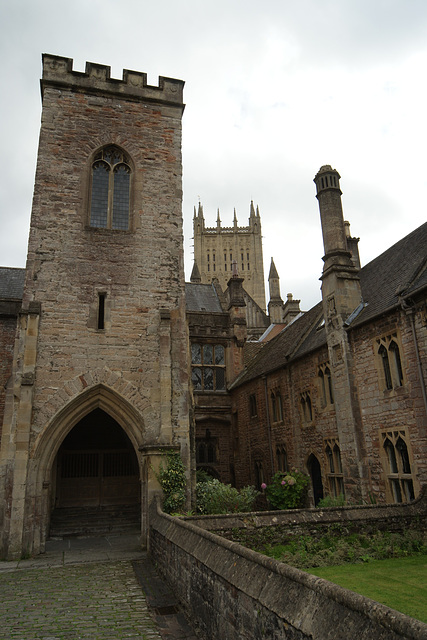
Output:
(401, 270)
(202, 297)
(278, 351)
(11, 283)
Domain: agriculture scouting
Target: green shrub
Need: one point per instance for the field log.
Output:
(287, 490)
(173, 482)
(332, 501)
(214, 497)
(307, 551)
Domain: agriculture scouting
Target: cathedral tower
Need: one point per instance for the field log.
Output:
(216, 248)
(100, 382)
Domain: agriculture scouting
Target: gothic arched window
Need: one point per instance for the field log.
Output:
(110, 190)
(398, 466)
(391, 371)
(335, 473)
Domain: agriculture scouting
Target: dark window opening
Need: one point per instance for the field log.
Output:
(101, 310)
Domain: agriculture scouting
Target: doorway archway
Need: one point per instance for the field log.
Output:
(96, 478)
(315, 472)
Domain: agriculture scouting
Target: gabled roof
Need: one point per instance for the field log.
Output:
(278, 351)
(11, 283)
(401, 270)
(202, 297)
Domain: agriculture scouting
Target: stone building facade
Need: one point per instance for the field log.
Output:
(340, 393)
(108, 359)
(100, 377)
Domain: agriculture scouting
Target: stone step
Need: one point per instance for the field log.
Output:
(93, 521)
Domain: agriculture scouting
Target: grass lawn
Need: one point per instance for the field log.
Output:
(399, 583)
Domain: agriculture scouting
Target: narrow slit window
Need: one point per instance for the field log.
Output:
(101, 310)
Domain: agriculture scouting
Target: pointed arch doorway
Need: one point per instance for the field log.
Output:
(315, 472)
(97, 480)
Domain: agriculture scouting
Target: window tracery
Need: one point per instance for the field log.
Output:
(391, 371)
(110, 189)
(398, 466)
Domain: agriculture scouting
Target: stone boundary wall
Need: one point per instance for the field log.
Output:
(232, 592)
(274, 526)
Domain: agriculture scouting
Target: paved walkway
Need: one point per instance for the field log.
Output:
(88, 589)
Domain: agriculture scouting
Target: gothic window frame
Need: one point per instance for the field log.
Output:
(388, 352)
(325, 385)
(208, 368)
(282, 458)
(276, 406)
(253, 410)
(110, 196)
(306, 406)
(398, 465)
(334, 467)
(259, 473)
(206, 450)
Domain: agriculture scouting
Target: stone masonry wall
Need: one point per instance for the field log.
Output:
(232, 592)
(7, 342)
(135, 365)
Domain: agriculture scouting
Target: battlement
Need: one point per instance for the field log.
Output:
(58, 72)
(219, 229)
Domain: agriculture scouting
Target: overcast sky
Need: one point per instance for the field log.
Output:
(274, 90)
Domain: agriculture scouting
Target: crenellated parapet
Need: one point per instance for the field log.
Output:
(58, 72)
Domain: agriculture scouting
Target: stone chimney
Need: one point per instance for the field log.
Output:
(341, 291)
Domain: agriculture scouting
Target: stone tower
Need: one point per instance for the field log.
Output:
(100, 378)
(342, 300)
(216, 248)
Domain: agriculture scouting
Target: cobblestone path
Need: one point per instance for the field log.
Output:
(99, 601)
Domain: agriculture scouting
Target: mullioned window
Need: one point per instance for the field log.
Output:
(110, 190)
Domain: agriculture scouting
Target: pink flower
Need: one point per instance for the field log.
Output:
(263, 486)
(283, 482)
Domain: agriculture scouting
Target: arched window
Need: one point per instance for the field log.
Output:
(282, 458)
(395, 354)
(386, 366)
(325, 382)
(398, 466)
(391, 370)
(335, 474)
(110, 190)
(276, 406)
(307, 413)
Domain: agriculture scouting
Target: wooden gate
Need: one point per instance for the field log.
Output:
(97, 478)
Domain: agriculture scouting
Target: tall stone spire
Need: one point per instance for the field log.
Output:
(275, 305)
(235, 219)
(195, 274)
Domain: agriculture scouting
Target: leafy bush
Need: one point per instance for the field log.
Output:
(214, 497)
(307, 551)
(287, 490)
(332, 501)
(173, 482)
